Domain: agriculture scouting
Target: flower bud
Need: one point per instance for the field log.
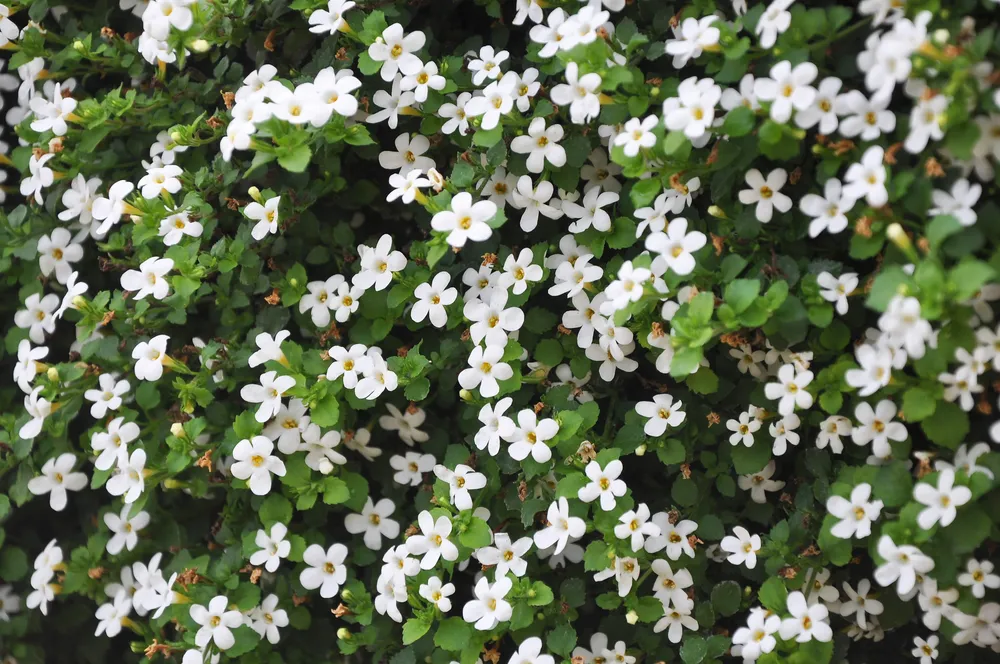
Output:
(52, 374)
(465, 395)
(717, 212)
(344, 634)
(78, 301)
(200, 46)
(175, 136)
(347, 595)
(325, 467)
(940, 37)
(255, 194)
(641, 450)
(79, 46)
(177, 430)
(631, 617)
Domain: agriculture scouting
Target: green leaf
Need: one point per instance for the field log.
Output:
(487, 138)
(773, 595)
(622, 233)
(452, 634)
(414, 628)
(948, 425)
(335, 491)
(918, 404)
(540, 594)
(726, 598)
(296, 159)
(968, 277)
(893, 484)
(940, 228)
(462, 175)
(684, 362)
(477, 535)
(562, 640)
(644, 191)
(13, 563)
(549, 352)
(275, 509)
(741, 293)
(739, 122)
(693, 648)
(674, 141)
(748, 460)
(684, 492)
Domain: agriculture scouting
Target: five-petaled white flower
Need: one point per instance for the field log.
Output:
(942, 501)
(56, 479)
(256, 463)
(856, 513)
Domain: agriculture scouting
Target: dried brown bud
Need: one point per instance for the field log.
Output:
(274, 298)
(713, 419)
(933, 169)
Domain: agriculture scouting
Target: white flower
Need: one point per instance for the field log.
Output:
(273, 547)
(175, 226)
(268, 348)
(676, 618)
(693, 36)
(487, 65)
(73, 290)
(320, 449)
(925, 651)
(875, 371)
(495, 425)
(635, 526)
(904, 326)
(111, 614)
(926, 120)
(580, 93)
(758, 484)
(216, 623)
(267, 618)
(960, 203)
(112, 446)
(56, 479)
(534, 202)
(265, 215)
(57, 252)
(960, 386)
(406, 158)
(255, 463)
(766, 193)
(572, 278)
(321, 299)
(807, 622)
(599, 173)
(774, 21)
(489, 608)
(460, 481)
(624, 570)
(288, 425)
(37, 316)
(326, 570)
(348, 364)
(549, 34)
(465, 220)
(561, 527)
(965, 460)
(129, 477)
(829, 211)
(110, 210)
(28, 364)
(979, 629)
(79, 201)
(38, 408)
(867, 118)
(830, 431)
(541, 144)
(331, 19)
(836, 289)
(485, 370)
(268, 394)
(39, 177)
(396, 51)
(159, 180)
(669, 586)
(673, 538)
(936, 603)
(743, 429)
(693, 109)
(637, 135)
(675, 247)
(531, 436)
(405, 423)
(604, 484)
(856, 514)
(507, 555)
(788, 89)
(590, 212)
(377, 377)
(979, 576)
(411, 467)
(876, 427)
(866, 179)
(379, 264)
(406, 187)
(455, 115)
(528, 9)
(859, 604)
(497, 100)
(529, 652)
(432, 542)
(108, 397)
(661, 412)
(784, 433)
(742, 547)
(757, 637)
(823, 110)
(374, 522)
(125, 528)
(790, 389)
(391, 590)
(149, 279)
(941, 501)
(519, 271)
(424, 79)
(438, 593)
(902, 565)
